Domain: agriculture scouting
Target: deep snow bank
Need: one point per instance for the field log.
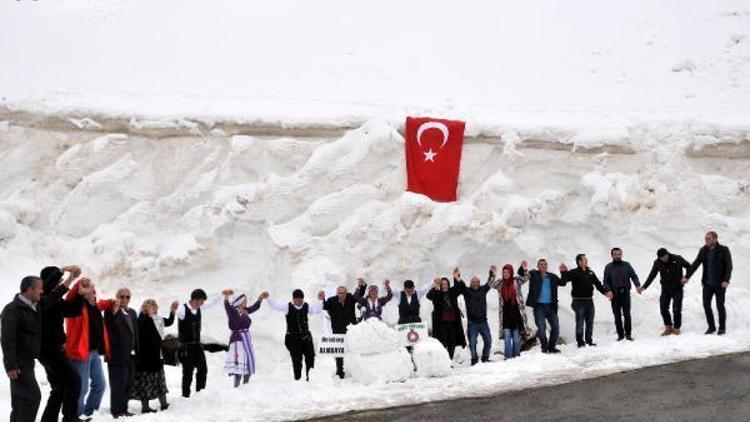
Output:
(167, 215)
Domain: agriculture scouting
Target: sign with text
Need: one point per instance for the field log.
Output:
(412, 334)
(332, 345)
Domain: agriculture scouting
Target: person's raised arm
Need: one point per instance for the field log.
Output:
(181, 312)
(523, 279)
(434, 293)
(255, 306)
(565, 275)
(425, 289)
(278, 306)
(227, 293)
(359, 292)
(315, 307)
(172, 310)
(389, 293)
(214, 301)
(112, 313)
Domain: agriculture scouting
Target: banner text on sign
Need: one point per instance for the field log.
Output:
(332, 345)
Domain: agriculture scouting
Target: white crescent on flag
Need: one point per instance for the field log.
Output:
(433, 125)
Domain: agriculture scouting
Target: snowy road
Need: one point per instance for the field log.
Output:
(696, 390)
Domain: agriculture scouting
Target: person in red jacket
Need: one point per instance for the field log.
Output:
(87, 340)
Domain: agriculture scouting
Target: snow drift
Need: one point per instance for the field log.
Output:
(246, 155)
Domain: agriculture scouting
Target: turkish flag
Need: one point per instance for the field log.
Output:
(433, 156)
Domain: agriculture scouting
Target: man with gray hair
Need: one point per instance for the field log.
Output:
(717, 271)
(122, 323)
(475, 297)
(21, 343)
(341, 311)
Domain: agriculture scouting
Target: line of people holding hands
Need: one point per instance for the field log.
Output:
(69, 329)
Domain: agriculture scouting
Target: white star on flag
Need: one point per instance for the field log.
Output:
(429, 156)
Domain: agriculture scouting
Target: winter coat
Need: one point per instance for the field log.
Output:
(77, 327)
(618, 277)
(342, 315)
(20, 335)
(584, 281)
(437, 298)
(123, 336)
(149, 357)
(721, 267)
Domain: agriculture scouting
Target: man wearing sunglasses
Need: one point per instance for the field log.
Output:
(122, 324)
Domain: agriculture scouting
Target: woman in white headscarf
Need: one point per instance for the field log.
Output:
(240, 361)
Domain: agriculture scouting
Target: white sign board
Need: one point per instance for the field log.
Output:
(412, 334)
(332, 345)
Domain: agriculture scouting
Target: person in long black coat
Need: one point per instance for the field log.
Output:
(64, 381)
(150, 382)
(122, 324)
(446, 315)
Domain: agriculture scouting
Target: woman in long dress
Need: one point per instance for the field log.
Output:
(150, 382)
(240, 360)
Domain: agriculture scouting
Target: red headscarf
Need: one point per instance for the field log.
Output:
(508, 288)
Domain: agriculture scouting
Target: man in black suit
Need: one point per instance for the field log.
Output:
(122, 323)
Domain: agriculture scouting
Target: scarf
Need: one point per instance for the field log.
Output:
(238, 300)
(508, 289)
(159, 324)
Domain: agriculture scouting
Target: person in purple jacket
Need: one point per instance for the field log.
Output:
(240, 360)
(372, 305)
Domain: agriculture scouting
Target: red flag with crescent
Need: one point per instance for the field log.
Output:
(433, 156)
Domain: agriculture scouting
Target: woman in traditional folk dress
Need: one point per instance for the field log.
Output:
(240, 360)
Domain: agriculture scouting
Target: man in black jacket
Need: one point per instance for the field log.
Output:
(584, 280)
(543, 298)
(341, 311)
(475, 298)
(670, 268)
(618, 275)
(21, 339)
(717, 271)
(64, 381)
(122, 323)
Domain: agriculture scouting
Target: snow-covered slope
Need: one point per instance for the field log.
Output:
(592, 68)
(164, 216)
(179, 144)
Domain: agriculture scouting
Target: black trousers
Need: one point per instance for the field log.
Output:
(193, 359)
(340, 367)
(675, 297)
(121, 379)
(708, 293)
(447, 335)
(621, 310)
(300, 347)
(65, 386)
(585, 311)
(25, 395)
